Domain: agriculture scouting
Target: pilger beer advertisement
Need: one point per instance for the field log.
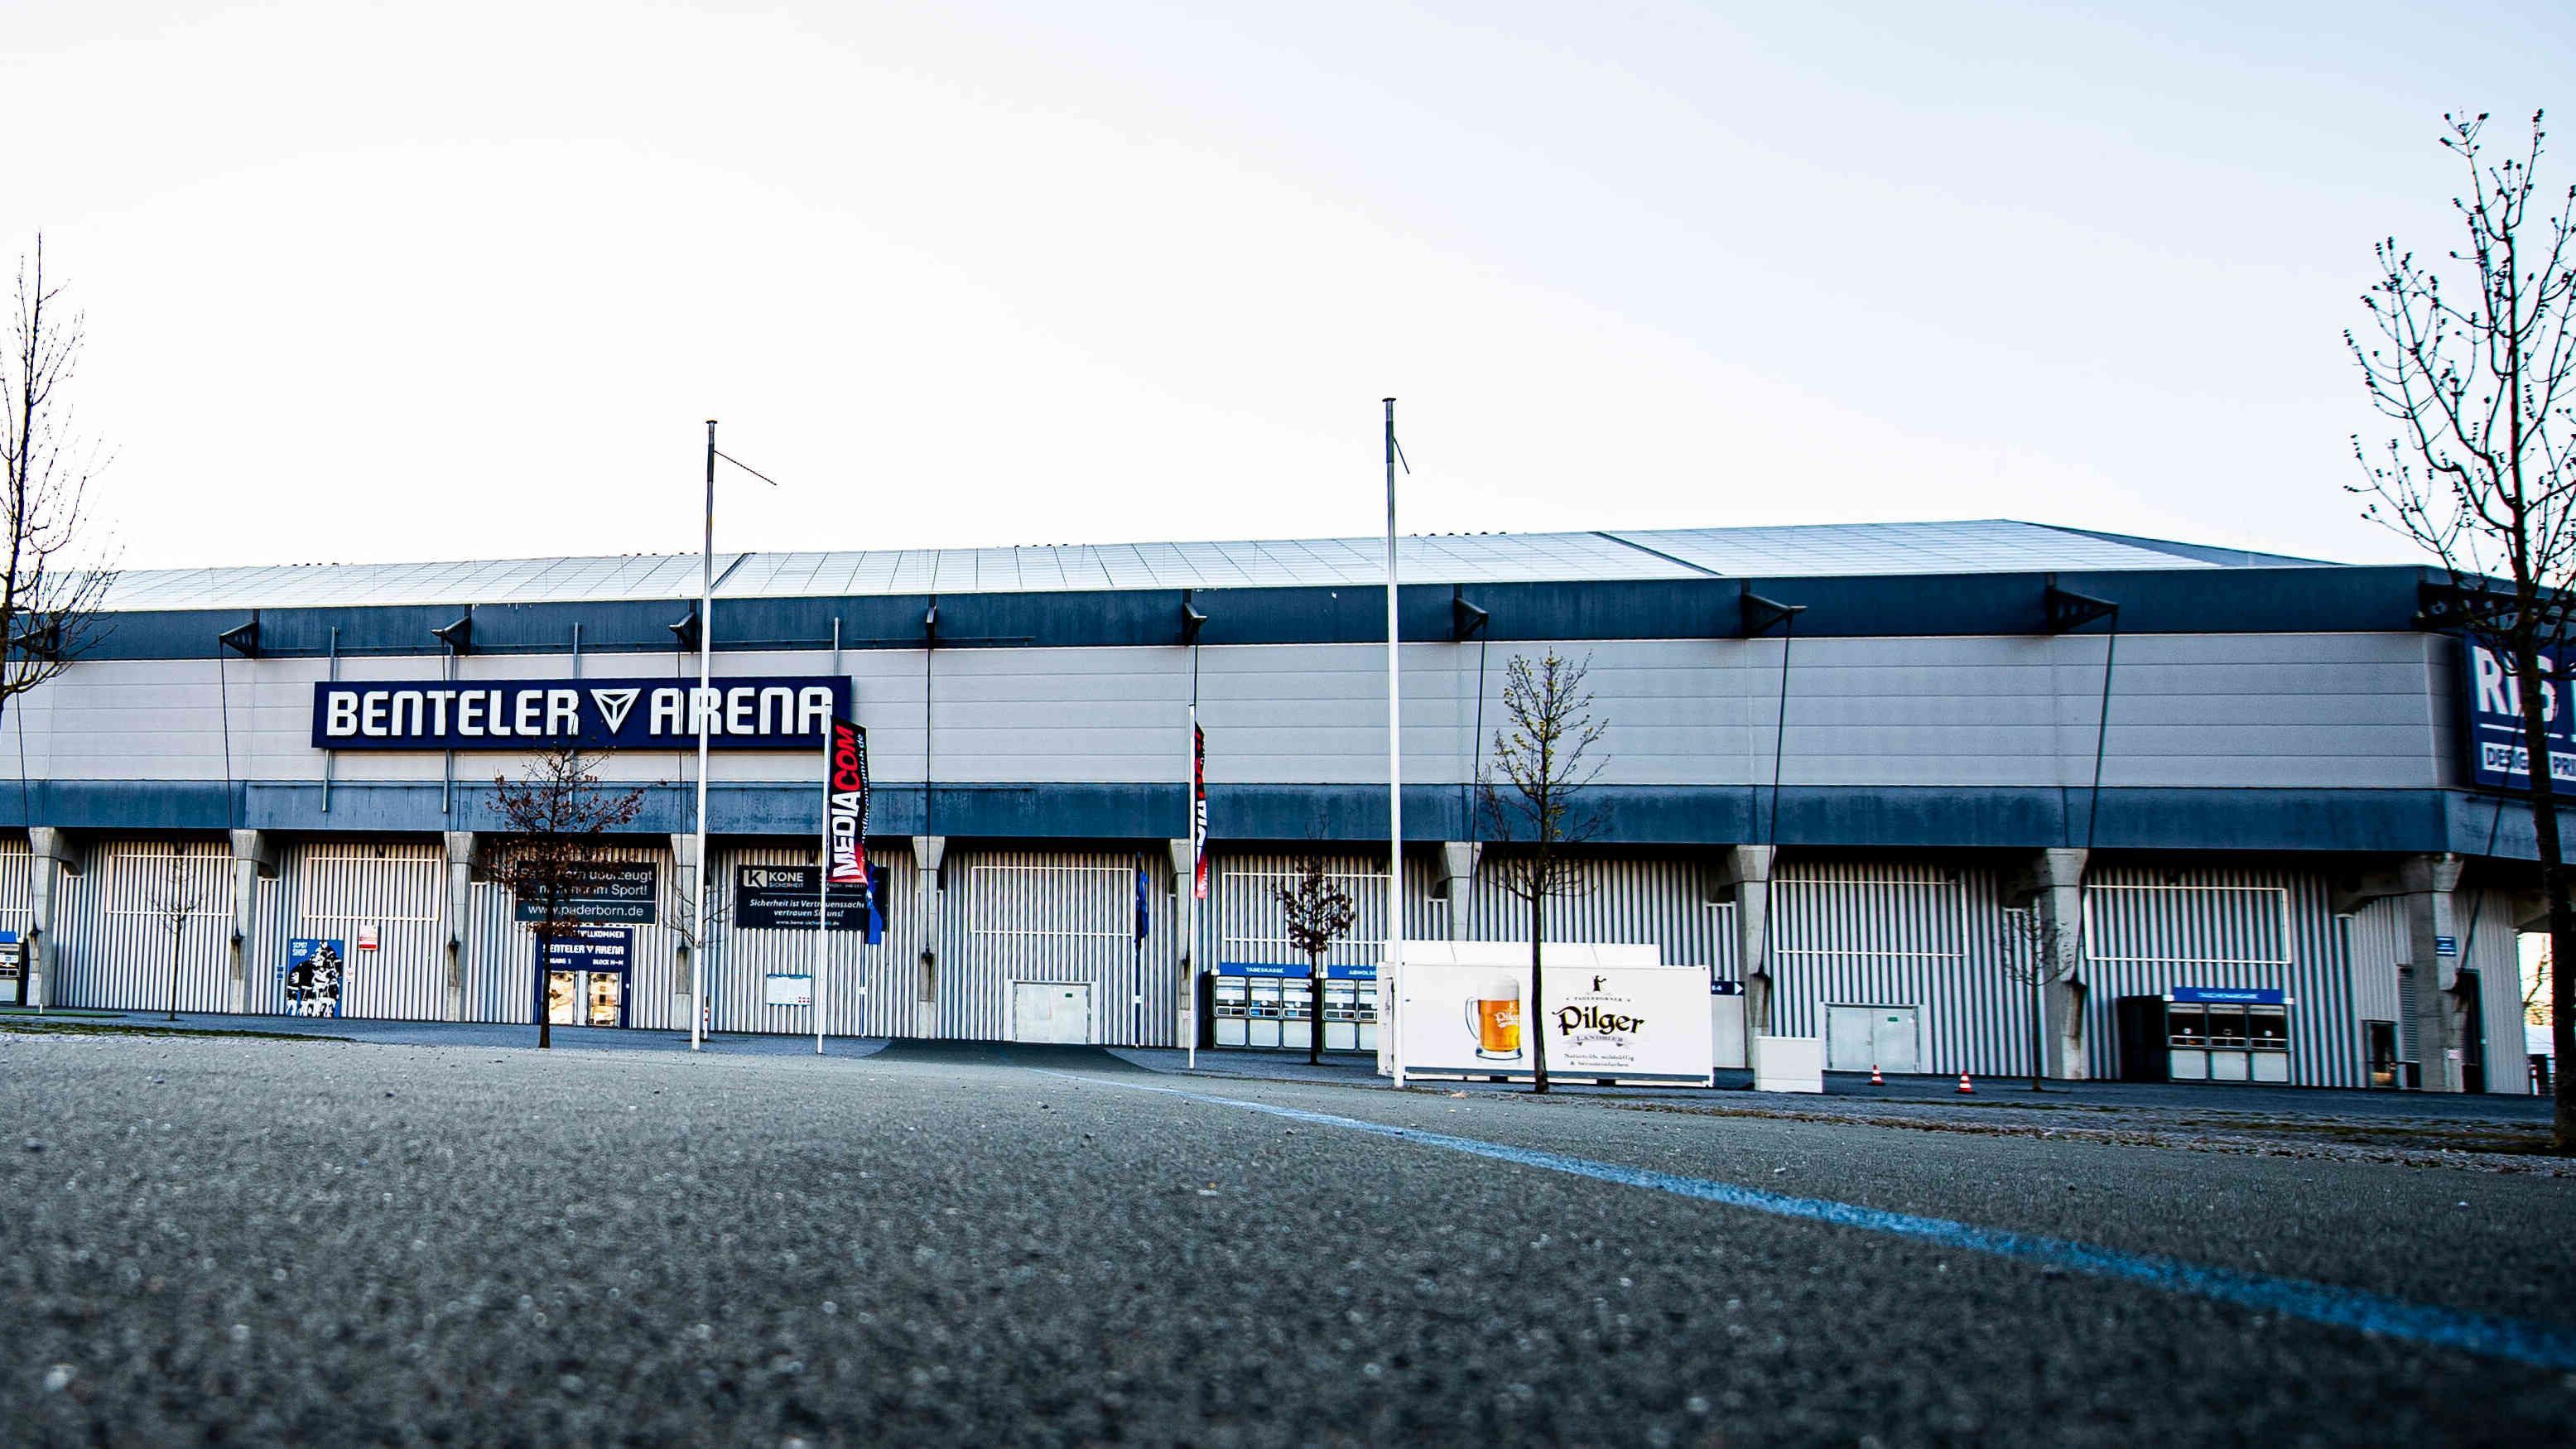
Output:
(1617, 1023)
(312, 976)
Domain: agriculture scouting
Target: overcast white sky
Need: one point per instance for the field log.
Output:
(425, 281)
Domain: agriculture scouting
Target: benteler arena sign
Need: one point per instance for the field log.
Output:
(775, 713)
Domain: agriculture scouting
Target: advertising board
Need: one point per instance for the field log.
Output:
(618, 892)
(2498, 756)
(1610, 1013)
(782, 898)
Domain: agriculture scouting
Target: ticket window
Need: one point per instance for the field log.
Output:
(1341, 1016)
(1296, 1014)
(1364, 1013)
(1263, 1025)
(2187, 1032)
(2227, 1042)
(1233, 1012)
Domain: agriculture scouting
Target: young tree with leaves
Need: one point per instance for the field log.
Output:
(2474, 365)
(1319, 913)
(1532, 798)
(556, 821)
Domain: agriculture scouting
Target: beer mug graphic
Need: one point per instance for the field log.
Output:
(1494, 1019)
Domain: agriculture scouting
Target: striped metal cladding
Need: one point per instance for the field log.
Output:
(1251, 925)
(116, 943)
(866, 990)
(1921, 934)
(2249, 927)
(1056, 917)
(2491, 946)
(2374, 942)
(336, 890)
(1660, 903)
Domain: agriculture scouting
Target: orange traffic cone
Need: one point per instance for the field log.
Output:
(1964, 1089)
(1875, 1079)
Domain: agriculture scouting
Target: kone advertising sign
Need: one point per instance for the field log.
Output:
(783, 712)
(2498, 756)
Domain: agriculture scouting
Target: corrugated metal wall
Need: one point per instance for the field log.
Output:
(867, 990)
(1621, 902)
(2148, 930)
(15, 914)
(2491, 946)
(1251, 925)
(1056, 916)
(337, 889)
(116, 938)
(2374, 942)
(1922, 934)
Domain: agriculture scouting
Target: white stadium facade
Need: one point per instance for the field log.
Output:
(1846, 766)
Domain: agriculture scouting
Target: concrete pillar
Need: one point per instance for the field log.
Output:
(2427, 981)
(928, 851)
(254, 859)
(1458, 861)
(1744, 877)
(460, 917)
(52, 855)
(2055, 883)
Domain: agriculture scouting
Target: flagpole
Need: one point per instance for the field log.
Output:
(823, 888)
(1190, 887)
(699, 705)
(1391, 993)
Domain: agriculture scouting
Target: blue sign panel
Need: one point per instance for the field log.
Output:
(2229, 995)
(1365, 971)
(591, 949)
(1725, 988)
(312, 974)
(2497, 755)
(2446, 945)
(787, 712)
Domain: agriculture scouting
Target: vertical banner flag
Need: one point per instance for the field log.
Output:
(1144, 916)
(847, 817)
(1198, 812)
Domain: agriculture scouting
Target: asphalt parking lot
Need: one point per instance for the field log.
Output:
(271, 1240)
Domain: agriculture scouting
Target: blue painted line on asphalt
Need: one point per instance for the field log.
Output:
(2536, 1344)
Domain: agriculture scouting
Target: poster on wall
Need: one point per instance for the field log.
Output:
(1471, 1015)
(312, 975)
(782, 898)
(2498, 756)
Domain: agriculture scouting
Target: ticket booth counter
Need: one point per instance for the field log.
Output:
(2206, 1034)
(1267, 1005)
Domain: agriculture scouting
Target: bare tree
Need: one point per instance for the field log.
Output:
(1319, 913)
(556, 823)
(2027, 958)
(49, 597)
(172, 904)
(2475, 365)
(1532, 797)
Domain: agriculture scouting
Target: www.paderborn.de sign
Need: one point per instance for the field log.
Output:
(782, 712)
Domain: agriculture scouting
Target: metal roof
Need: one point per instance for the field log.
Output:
(1980, 546)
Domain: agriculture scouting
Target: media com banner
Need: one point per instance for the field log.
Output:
(2498, 757)
(785, 712)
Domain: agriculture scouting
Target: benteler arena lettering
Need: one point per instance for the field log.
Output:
(2290, 799)
(600, 714)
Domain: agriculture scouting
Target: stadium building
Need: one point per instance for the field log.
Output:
(1857, 773)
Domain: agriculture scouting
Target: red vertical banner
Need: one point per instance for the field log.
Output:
(846, 806)
(1198, 812)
